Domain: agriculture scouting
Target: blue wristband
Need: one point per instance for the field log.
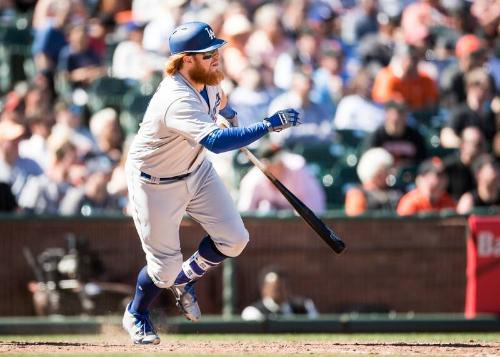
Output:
(228, 112)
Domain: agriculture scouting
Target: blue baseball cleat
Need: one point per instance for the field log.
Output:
(186, 301)
(140, 328)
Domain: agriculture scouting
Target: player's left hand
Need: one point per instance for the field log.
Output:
(283, 119)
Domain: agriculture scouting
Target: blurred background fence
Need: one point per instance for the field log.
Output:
(391, 264)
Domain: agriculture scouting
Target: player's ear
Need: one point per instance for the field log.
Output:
(187, 59)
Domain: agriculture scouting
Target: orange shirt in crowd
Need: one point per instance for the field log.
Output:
(418, 91)
(414, 202)
(355, 202)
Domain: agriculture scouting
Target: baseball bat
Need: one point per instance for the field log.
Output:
(325, 233)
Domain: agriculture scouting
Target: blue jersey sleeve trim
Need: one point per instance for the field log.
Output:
(204, 94)
(222, 140)
(228, 112)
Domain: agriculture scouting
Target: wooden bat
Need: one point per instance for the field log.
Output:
(325, 233)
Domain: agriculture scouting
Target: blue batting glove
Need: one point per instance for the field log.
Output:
(282, 119)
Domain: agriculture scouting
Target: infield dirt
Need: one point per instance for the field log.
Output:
(116, 343)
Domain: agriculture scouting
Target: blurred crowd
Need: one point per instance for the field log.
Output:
(399, 100)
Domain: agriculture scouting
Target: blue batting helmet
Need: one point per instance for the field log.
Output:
(193, 37)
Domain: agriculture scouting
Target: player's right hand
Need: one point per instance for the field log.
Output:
(282, 119)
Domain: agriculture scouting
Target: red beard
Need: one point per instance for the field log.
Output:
(210, 78)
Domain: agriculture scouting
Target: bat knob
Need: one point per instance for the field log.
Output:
(337, 243)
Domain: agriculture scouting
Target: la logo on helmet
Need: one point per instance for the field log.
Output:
(210, 32)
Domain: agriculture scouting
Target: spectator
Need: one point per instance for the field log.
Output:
(35, 148)
(324, 20)
(293, 14)
(470, 52)
(251, 98)
(69, 124)
(62, 173)
(37, 101)
(402, 80)
(50, 38)
(14, 169)
(130, 59)
(373, 170)
(458, 166)
(377, 48)
(13, 106)
(64, 165)
(78, 63)
(236, 30)
(357, 111)
(403, 142)
(494, 64)
(487, 192)
(257, 193)
(268, 40)
(487, 13)
(157, 31)
(360, 21)
(44, 81)
(330, 78)
(105, 128)
(304, 56)
(46, 10)
(117, 185)
(420, 18)
(430, 194)
(92, 198)
(8, 11)
(275, 299)
(315, 121)
(99, 29)
(147, 10)
(476, 111)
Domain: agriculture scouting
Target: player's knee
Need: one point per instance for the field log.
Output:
(164, 277)
(239, 241)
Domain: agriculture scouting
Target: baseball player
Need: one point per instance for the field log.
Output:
(168, 176)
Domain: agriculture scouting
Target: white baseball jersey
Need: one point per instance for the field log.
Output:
(175, 121)
(167, 145)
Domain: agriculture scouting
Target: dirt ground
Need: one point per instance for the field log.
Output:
(114, 341)
(169, 345)
(247, 347)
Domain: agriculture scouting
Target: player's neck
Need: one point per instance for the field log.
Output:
(198, 86)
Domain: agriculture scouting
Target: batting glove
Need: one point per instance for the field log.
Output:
(282, 119)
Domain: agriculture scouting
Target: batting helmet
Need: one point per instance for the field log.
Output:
(193, 37)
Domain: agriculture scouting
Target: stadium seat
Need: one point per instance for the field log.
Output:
(134, 107)
(431, 135)
(317, 154)
(350, 139)
(16, 63)
(149, 86)
(404, 178)
(107, 92)
(337, 181)
(241, 166)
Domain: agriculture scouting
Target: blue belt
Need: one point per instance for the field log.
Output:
(162, 180)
